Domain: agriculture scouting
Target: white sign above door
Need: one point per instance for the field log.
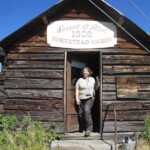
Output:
(81, 34)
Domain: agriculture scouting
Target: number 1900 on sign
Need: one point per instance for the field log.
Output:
(78, 34)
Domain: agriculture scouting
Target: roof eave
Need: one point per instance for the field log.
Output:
(128, 24)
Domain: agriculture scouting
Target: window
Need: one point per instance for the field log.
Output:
(127, 87)
(2, 56)
(0, 67)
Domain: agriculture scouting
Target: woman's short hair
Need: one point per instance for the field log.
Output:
(88, 69)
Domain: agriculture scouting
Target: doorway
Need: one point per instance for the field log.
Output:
(75, 62)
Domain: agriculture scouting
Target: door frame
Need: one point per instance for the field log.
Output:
(100, 90)
(65, 90)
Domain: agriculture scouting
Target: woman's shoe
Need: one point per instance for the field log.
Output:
(87, 133)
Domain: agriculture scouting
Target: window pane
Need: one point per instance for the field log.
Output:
(0, 67)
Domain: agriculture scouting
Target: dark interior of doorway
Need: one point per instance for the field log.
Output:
(89, 59)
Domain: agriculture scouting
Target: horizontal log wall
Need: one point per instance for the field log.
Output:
(34, 85)
(130, 112)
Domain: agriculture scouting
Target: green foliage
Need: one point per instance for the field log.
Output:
(26, 134)
(146, 131)
(8, 122)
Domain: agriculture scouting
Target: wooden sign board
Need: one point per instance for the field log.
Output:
(81, 34)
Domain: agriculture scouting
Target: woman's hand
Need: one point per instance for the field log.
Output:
(77, 97)
(97, 83)
(78, 101)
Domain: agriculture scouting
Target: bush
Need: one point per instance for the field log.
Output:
(146, 131)
(26, 134)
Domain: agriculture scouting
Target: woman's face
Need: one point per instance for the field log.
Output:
(86, 73)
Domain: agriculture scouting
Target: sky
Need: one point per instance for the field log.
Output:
(15, 13)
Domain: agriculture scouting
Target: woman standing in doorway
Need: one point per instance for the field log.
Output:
(84, 99)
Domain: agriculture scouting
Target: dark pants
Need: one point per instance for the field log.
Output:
(85, 118)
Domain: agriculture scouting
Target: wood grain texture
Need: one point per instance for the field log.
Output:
(125, 69)
(21, 49)
(128, 126)
(112, 96)
(34, 105)
(38, 115)
(141, 79)
(35, 64)
(111, 87)
(125, 106)
(1, 108)
(128, 115)
(34, 93)
(126, 59)
(42, 49)
(33, 83)
(34, 73)
(36, 56)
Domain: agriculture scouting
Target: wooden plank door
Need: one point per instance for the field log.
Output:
(71, 113)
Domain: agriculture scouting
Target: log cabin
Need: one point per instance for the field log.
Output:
(43, 60)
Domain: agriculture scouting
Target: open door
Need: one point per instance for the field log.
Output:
(75, 62)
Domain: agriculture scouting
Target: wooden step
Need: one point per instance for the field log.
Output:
(80, 136)
(96, 136)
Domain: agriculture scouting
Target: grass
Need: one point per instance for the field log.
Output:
(25, 134)
(146, 131)
(144, 142)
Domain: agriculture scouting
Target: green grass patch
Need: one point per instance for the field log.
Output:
(25, 134)
(144, 141)
(146, 131)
